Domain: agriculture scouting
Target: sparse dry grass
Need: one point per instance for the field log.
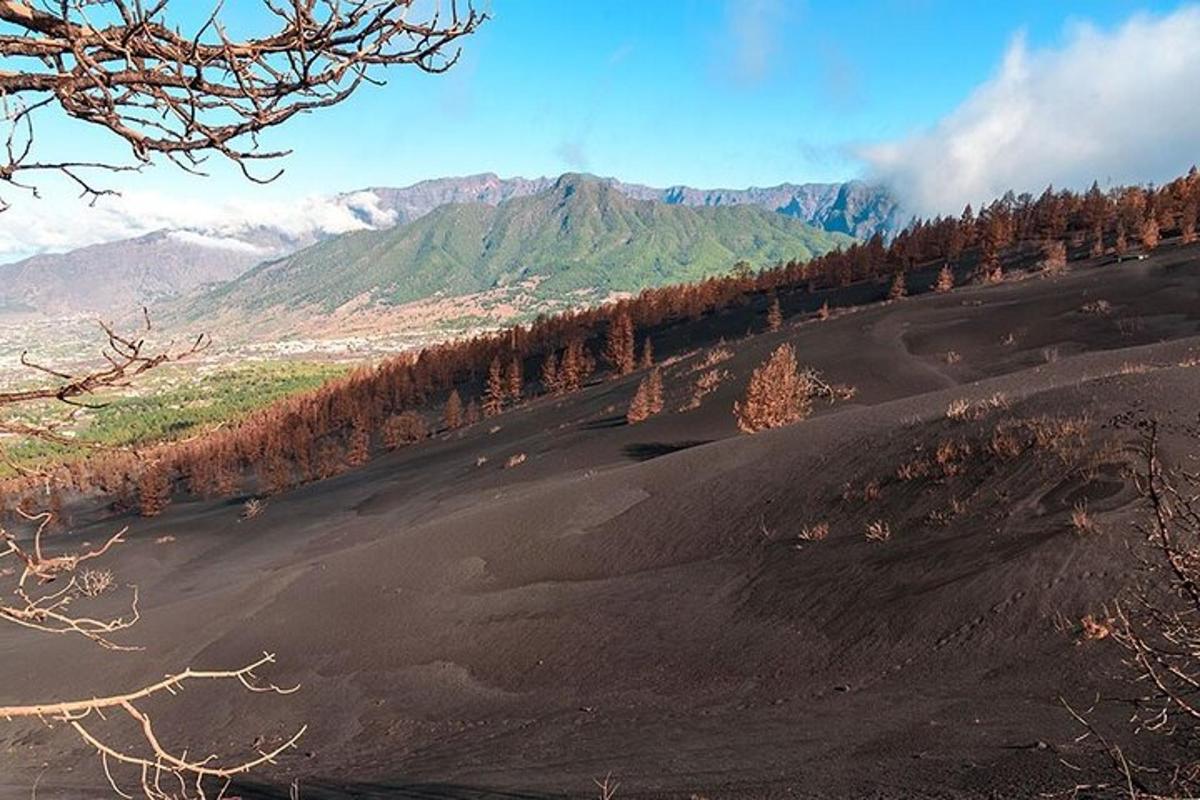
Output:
(814, 533)
(879, 531)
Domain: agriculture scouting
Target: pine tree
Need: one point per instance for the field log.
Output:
(452, 415)
(619, 348)
(945, 280)
(774, 314)
(778, 394)
(515, 379)
(472, 413)
(493, 396)
(899, 288)
(647, 354)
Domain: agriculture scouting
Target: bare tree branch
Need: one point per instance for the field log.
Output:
(122, 66)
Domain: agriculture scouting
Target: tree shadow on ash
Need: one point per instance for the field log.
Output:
(397, 790)
(645, 451)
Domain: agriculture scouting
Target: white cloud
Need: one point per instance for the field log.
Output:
(1114, 106)
(37, 226)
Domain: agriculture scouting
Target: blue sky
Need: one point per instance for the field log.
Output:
(702, 92)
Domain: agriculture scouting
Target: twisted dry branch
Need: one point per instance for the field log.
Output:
(186, 776)
(123, 66)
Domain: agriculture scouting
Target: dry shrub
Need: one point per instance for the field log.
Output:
(953, 357)
(706, 383)
(871, 491)
(252, 508)
(958, 409)
(515, 460)
(1063, 436)
(911, 470)
(1098, 307)
(1006, 443)
(879, 531)
(778, 394)
(814, 533)
(951, 456)
(404, 428)
(1050, 354)
(716, 355)
(168, 539)
(1081, 520)
(963, 409)
(1130, 368)
(824, 313)
(480, 460)
(1095, 628)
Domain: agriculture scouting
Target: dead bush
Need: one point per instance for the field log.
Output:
(515, 460)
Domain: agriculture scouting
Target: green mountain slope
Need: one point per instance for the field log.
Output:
(581, 234)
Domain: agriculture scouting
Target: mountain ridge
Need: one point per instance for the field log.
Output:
(581, 236)
(119, 276)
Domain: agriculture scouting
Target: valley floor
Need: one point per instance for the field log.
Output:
(637, 601)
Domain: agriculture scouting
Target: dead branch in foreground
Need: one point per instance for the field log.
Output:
(50, 611)
(1157, 624)
(184, 776)
(48, 588)
(130, 69)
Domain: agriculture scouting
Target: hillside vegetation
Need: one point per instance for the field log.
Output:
(580, 236)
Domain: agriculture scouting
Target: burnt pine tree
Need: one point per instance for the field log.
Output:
(647, 354)
(619, 348)
(945, 280)
(774, 314)
(899, 288)
(514, 379)
(778, 394)
(493, 395)
(452, 415)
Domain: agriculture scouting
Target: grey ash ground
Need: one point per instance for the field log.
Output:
(636, 600)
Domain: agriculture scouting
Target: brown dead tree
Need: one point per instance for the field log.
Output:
(128, 67)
